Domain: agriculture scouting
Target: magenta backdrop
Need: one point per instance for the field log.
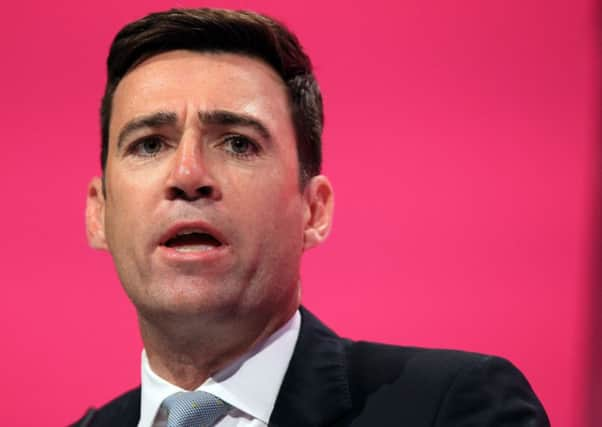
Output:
(460, 138)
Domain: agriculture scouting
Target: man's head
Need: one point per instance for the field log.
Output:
(226, 31)
(210, 120)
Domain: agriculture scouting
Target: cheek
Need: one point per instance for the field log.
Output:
(267, 195)
(279, 216)
(126, 212)
(267, 205)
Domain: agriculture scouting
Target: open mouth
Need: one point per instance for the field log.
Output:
(192, 241)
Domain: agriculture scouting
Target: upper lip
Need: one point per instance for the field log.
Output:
(192, 226)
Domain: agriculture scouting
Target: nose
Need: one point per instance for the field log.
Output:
(190, 178)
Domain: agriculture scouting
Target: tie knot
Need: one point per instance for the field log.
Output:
(193, 409)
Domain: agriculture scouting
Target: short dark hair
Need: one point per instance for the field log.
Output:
(224, 31)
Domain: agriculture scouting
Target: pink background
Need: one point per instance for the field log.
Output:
(461, 140)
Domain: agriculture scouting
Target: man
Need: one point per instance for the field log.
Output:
(211, 192)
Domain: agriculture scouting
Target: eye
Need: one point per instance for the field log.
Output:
(240, 146)
(148, 146)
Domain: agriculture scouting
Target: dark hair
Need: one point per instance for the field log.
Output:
(217, 30)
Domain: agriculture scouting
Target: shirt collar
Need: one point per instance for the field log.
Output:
(250, 384)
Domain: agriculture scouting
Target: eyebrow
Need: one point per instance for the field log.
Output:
(212, 117)
(228, 118)
(160, 118)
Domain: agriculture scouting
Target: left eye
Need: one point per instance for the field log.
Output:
(240, 145)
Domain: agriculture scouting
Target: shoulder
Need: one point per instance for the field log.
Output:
(430, 387)
(373, 363)
(124, 410)
(379, 384)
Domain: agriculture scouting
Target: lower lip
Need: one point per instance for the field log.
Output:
(204, 256)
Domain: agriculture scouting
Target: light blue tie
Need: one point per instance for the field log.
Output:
(193, 409)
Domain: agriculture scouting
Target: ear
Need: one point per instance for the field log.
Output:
(319, 199)
(95, 215)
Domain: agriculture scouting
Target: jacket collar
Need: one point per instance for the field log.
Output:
(315, 390)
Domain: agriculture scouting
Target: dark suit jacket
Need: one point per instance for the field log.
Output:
(336, 382)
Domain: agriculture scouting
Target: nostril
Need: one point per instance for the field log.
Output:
(177, 193)
(205, 191)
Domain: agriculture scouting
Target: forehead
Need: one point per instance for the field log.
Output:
(182, 80)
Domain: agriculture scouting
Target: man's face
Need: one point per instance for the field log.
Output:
(203, 211)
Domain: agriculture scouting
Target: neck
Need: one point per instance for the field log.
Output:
(186, 352)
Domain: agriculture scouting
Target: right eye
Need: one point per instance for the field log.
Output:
(147, 147)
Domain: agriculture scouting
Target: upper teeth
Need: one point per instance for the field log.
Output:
(187, 232)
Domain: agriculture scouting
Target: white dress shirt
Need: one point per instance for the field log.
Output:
(250, 384)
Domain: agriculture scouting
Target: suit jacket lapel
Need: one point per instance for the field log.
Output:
(315, 391)
(123, 411)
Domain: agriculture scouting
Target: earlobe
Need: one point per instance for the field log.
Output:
(319, 198)
(95, 215)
